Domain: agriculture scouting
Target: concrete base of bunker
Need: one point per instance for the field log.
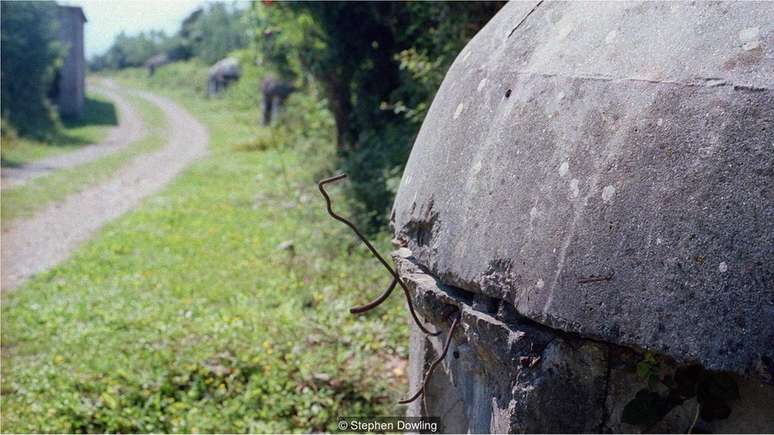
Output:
(506, 373)
(594, 185)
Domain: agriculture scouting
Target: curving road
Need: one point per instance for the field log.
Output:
(33, 245)
(129, 130)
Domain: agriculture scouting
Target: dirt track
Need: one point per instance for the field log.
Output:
(128, 130)
(33, 245)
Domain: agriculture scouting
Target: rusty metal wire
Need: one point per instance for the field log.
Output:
(376, 302)
(395, 278)
(429, 372)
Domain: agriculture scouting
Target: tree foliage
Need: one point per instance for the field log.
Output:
(132, 51)
(208, 34)
(216, 31)
(380, 64)
(31, 54)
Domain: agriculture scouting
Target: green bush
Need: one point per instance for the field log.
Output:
(379, 65)
(30, 56)
(375, 65)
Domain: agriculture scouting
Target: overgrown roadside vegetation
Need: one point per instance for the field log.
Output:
(30, 56)
(220, 305)
(99, 115)
(377, 65)
(24, 200)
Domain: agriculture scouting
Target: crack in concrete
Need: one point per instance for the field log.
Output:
(525, 18)
(698, 82)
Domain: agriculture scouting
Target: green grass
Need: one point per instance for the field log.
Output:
(99, 114)
(25, 199)
(192, 314)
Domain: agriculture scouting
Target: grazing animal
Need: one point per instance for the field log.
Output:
(275, 92)
(222, 74)
(156, 61)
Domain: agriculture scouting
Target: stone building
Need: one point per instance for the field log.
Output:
(71, 86)
(591, 200)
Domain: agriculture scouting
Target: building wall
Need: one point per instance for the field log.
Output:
(72, 77)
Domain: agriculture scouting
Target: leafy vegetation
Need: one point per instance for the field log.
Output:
(380, 65)
(208, 34)
(670, 388)
(25, 199)
(220, 305)
(214, 32)
(30, 56)
(132, 51)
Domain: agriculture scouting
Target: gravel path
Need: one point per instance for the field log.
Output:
(33, 245)
(129, 129)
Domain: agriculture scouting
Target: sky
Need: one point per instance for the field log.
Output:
(107, 18)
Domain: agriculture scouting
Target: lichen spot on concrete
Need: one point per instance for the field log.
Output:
(749, 34)
(723, 267)
(459, 110)
(477, 167)
(481, 84)
(564, 31)
(540, 283)
(563, 169)
(749, 38)
(574, 190)
(610, 36)
(607, 193)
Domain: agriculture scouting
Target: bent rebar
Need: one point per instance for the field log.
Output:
(396, 279)
(375, 253)
(376, 302)
(435, 363)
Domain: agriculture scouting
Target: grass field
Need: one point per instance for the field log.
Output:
(25, 199)
(220, 305)
(99, 115)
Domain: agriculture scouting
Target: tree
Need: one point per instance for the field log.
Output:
(30, 56)
(215, 32)
(380, 64)
(209, 34)
(133, 51)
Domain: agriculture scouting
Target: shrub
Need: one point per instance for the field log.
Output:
(30, 56)
(379, 65)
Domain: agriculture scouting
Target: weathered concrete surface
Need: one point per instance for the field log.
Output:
(507, 374)
(222, 73)
(580, 139)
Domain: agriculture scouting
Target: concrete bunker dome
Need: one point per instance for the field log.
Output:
(607, 169)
